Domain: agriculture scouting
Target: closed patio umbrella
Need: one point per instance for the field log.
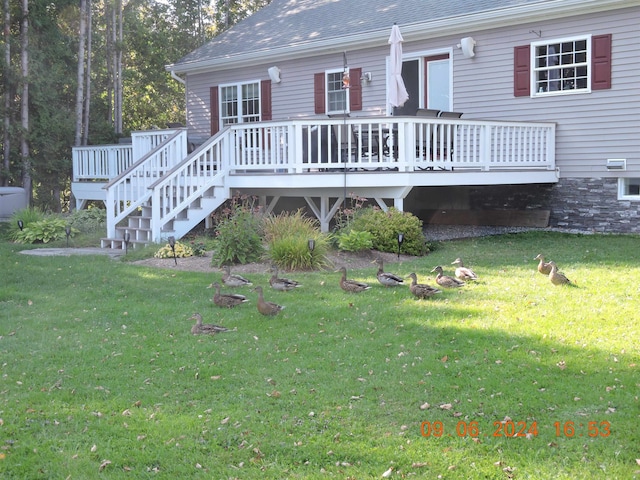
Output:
(397, 92)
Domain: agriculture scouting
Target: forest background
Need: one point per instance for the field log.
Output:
(83, 72)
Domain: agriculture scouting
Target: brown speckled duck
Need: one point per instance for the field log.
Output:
(280, 283)
(233, 280)
(267, 308)
(205, 328)
(352, 286)
(556, 277)
(543, 267)
(385, 278)
(445, 280)
(462, 272)
(421, 290)
(226, 300)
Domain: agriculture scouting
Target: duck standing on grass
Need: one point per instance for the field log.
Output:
(462, 272)
(205, 328)
(421, 290)
(543, 267)
(385, 278)
(556, 277)
(351, 286)
(226, 300)
(267, 308)
(282, 284)
(445, 280)
(233, 280)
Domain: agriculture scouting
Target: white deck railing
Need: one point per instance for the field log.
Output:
(156, 166)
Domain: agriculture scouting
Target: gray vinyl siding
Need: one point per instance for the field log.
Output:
(590, 127)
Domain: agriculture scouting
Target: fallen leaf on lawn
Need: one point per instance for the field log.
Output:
(387, 473)
(419, 464)
(274, 394)
(424, 406)
(94, 448)
(127, 413)
(638, 461)
(216, 377)
(451, 467)
(552, 444)
(224, 421)
(561, 365)
(446, 406)
(1, 422)
(2, 456)
(457, 414)
(611, 410)
(445, 358)
(104, 464)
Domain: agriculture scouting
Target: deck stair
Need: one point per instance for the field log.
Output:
(157, 198)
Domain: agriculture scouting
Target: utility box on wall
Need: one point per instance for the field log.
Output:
(11, 200)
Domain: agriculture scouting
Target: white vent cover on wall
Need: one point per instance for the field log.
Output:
(616, 163)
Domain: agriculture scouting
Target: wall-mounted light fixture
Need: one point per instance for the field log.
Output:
(274, 74)
(366, 77)
(467, 45)
(616, 163)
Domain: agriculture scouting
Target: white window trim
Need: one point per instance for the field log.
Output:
(621, 189)
(532, 62)
(238, 86)
(420, 56)
(326, 93)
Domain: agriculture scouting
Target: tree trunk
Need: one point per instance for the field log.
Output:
(87, 93)
(24, 60)
(6, 138)
(80, 73)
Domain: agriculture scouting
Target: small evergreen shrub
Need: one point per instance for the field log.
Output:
(385, 227)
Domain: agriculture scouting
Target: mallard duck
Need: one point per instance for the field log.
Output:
(385, 278)
(266, 308)
(227, 300)
(282, 284)
(543, 267)
(462, 272)
(556, 277)
(233, 280)
(445, 280)
(205, 328)
(421, 290)
(352, 286)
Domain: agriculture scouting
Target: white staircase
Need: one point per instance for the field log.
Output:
(166, 193)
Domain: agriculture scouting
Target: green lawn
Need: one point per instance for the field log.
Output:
(101, 376)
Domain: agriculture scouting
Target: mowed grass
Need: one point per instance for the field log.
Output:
(101, 377)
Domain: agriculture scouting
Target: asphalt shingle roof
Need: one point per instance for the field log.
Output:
(287, 23)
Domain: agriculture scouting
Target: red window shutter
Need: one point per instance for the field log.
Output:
(601, 62)
(355, 89)
(215, 111)
(265, 100)
(521, 71)
(318, 92)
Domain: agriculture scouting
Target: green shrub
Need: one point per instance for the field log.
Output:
(45, 231)
(27, 216)
(355, 241)
(288, 235)
(181, 251)
(385, 227)
(91, 220)
(238, 235)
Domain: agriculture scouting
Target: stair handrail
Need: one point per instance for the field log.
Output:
(184, 183)
(129, 190)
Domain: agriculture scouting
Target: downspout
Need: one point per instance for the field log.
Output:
(175, 76)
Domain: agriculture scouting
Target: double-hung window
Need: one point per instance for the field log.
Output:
(562, 65)
(240, 103)
(337, 95)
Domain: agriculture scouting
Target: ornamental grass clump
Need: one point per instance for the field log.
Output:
(295, 241)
